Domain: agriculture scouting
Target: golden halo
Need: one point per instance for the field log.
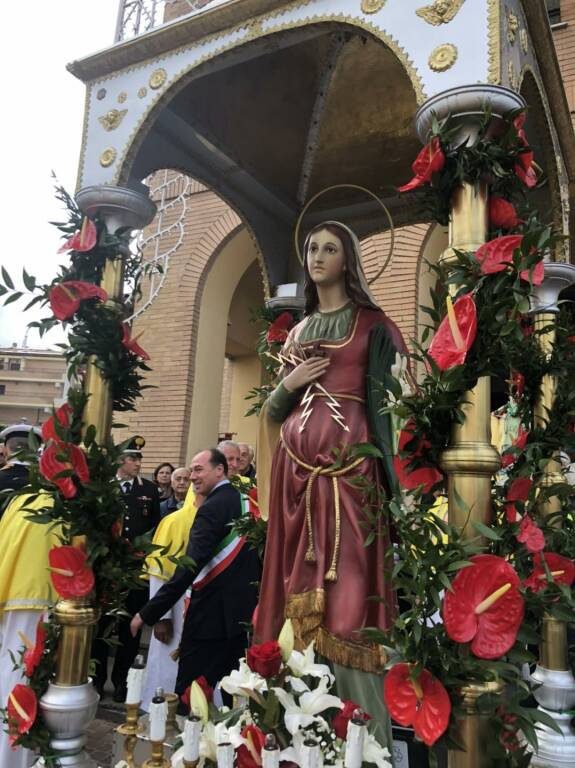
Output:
(361, 189)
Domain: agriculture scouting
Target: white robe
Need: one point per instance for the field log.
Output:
(12, 622)
(161, 669)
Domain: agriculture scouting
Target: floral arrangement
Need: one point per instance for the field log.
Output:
(75, 473)
(284, 693)
(470, 610)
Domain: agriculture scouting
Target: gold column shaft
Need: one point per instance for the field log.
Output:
(77, 618)
(468, 220)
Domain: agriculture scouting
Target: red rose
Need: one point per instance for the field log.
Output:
(455, 335)
(265, 659)
(65, 298)
(531, 535)
(62, 416)
(420, 475)
(22, 709)
(430, 160)
(71, 576)
(249, 753)
(278, 330)
(83, 240)
(132, 344)
(421, 702)
(502, 214)
(345, 714)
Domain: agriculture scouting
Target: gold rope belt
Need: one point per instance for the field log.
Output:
(337, 396)
(334, 474)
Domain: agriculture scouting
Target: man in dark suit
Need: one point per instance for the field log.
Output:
(142, 502)
(223, 579)
(14, 473)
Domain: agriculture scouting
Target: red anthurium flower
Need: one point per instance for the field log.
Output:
(254, 507)
(116, 529)
(502, 214)
(70, 574)
(495, 255)
(63, 416)
(484, 606)
(422, 703)
(562, 571)
(204, 685)
(519, 489)
(22, 709)
(517, 384)
(519, 443)
(249, 753)
(33, 653)
(265, 659)
(456, 333)
(420, 475)
(345, 714)
(519, 122)
(524, 169)
(531, 535)
(535, 274)
(430, 160)
(83, 240)
(132, 344)
(65, 297)
(278, 330)
(60, 457)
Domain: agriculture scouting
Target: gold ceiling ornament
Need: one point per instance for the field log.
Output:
(157, 78)
(107, 157)
(524, 40)
(511, 75)
(512, 26)
(378, 200)
(443, 57)
(372, 6)
(440, 12)
(112, 119)
(143, 92)
(122, 97)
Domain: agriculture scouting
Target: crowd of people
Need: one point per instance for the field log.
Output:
(198, 614)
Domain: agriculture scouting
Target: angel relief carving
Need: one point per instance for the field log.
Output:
(440, 12)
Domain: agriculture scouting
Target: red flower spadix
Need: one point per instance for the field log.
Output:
(132, 344)
(62, 416)
(70, 575)
(33, 653)
(561, 568)
(278, 330)
(420, 475)
(422, 703)
(62, 457)
(502, 214)
(484, 606)
(83, 240)
(65, 297)
(22, 709)
(430, 160)
(456, 333)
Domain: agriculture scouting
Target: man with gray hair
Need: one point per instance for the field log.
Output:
(247, 468)
(180, 480)
(231, 451)
(14, 474)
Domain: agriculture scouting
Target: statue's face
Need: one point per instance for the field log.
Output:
(325, 258)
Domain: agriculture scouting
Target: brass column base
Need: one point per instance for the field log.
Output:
(157, 759)
(472, 730)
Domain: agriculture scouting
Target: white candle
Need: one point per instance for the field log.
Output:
(135, 683)
(225, 755)
(270, 753)
(354, 743)
(192, 733)
(310, 754)
(158, 716)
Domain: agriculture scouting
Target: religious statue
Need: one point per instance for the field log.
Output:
(318, 570)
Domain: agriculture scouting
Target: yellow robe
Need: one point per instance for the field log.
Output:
(25, 582)
(173, 531)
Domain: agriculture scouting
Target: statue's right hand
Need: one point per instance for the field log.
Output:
(306, 373)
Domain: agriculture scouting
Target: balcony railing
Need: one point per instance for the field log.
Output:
(135, 17)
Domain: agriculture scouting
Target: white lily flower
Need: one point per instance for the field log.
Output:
(302, 664)
(243, 682)
(303, 713)
(373, 752)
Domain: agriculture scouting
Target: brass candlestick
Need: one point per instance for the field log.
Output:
(189, 763)
(172, 726)
(130, 729)
(157, 759)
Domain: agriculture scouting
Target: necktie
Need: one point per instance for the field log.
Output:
(126, 486)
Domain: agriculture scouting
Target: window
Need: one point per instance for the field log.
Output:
(2, 363)
(15, 365)
(554, 11)
(2, 389)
